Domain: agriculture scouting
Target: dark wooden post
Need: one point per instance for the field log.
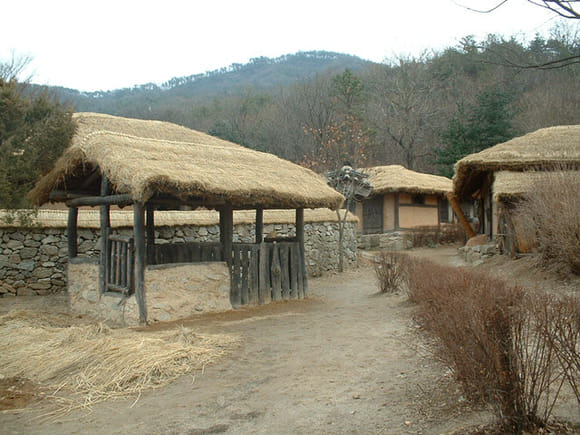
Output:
(397, 211)
(105, 224)
(150, 233)
(300, 239)
(227, 231)
(73, 214)
(259, 225)
(139, 234)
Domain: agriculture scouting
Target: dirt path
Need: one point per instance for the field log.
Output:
(344, 361)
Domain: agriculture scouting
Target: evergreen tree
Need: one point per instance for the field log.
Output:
(488, 122)
(34, 130)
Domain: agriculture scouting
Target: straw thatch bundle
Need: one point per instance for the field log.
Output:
(96, 363)
(509, 185)
(396, 178)
(548, 148)
(44, 218)
(147, 157)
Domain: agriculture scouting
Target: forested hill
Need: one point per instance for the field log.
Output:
(260, 74)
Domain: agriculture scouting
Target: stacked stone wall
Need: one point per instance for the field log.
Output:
(33, 260)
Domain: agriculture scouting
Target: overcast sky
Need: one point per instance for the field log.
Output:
(114, 44)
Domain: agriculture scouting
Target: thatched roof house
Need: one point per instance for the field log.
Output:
(403, 199)
(154, 165)
(147, 159)
(497, 176)
(546, 148)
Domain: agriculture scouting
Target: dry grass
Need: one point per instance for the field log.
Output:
(147, 157)
(396, 178)
(83, 364)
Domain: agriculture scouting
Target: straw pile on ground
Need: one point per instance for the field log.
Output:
(83, 364)
(396, 178)
(142, 158)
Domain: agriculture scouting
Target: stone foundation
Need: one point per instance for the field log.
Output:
(172, 292)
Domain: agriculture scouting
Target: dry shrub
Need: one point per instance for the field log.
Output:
(436, 235)
(508, 347)
(390, 270)
(96, 363)
(552, 209)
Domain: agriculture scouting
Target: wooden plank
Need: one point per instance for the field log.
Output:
(300, 267)
(264, 289)
(294, 247)
(118, 262)
(119, 238)
(254, 291)
(72, 226)
(259, 225)
(118, 288)
(139, 229)
(276, 274)
(284, 268)
(397, 227)
(245, 272)
(235, 295)
(227, 223)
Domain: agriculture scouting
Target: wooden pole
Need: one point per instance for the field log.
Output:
(397, 227)
(72, 241)
(453, 200)
(104, 199)
(227, 227)
(300, 240)
(139, 234)
(259, 225)
(150, 233)
(105, 224)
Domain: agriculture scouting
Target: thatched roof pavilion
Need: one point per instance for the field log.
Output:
(154, 165)
(546, 148)
(396, 178)
(159, 160)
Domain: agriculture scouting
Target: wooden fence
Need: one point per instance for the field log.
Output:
(120, 265)
(259, 273)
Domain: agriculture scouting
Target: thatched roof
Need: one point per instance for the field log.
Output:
(198, 218)
(545, 148)
(509, 185)
(144, 158)
(396, 178)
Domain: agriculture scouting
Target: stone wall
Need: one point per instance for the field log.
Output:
(33, 260)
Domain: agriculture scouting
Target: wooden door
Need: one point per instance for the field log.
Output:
(373, 215)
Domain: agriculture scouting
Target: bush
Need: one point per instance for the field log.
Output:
(551, 209)
(390, 269)
(508, 347)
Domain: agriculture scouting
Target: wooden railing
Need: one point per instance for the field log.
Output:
(120, 264)
(267, 271)
(186, 253)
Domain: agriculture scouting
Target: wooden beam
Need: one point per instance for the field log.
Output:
(150, 233)
(139, 234)
(92, 201)
(105, 220)
(72, 225)
(454, 201)
(259, 225)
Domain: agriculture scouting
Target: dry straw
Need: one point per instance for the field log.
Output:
(548, 148)
(44, 218)
(86, 364)
(146, 157)
(396, 178)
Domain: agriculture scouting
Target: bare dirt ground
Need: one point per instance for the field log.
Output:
(346, 360)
